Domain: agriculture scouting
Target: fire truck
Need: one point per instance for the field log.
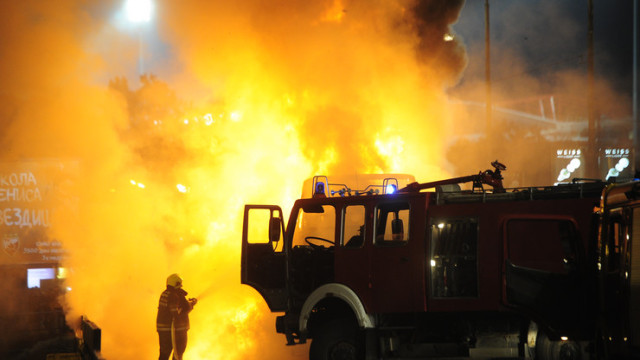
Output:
(430, 270)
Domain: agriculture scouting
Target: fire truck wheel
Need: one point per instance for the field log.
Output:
(557, 350)
(336, 339)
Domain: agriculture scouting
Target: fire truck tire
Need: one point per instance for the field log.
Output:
(338, 339)
(547, 349)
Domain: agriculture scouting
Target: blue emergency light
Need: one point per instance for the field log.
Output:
(390, 189)
(390, 186)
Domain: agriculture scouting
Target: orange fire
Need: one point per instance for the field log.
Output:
(282, 90)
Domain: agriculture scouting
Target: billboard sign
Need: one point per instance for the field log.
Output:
(30, 191)
(569, 164)
(615, 162)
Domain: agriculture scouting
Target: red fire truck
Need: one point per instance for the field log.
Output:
(394, 272)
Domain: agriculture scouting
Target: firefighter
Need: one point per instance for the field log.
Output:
(172, 322)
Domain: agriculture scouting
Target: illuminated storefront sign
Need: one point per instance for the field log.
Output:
(570, 162)
(30, 191)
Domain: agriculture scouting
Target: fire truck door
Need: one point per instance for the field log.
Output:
(352, 256)
(263, 262)
(542, 272)
(392, 286)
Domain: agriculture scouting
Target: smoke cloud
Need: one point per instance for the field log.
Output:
(539, 87)
(273, 93)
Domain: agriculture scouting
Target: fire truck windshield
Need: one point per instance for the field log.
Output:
(315, 226)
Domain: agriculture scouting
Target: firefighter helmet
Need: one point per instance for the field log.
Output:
(174, 280)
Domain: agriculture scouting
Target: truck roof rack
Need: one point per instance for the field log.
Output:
(449, 195)
(322, 188)
(449, 190)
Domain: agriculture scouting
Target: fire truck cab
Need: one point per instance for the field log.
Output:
(392, 272)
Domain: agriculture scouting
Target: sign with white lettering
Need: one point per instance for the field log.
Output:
(615, 161)
(30, 191)
(569, 164)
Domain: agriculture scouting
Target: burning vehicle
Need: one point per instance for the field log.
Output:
(397, 272)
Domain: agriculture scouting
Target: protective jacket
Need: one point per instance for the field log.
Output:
(173, 307)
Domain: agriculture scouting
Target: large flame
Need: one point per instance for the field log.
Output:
(291, 89)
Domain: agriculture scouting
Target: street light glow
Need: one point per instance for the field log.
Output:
(138, 11)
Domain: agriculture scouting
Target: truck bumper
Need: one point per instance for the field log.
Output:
(287, 324)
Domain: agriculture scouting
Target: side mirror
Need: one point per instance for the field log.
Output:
(274, 229)
(397, 229)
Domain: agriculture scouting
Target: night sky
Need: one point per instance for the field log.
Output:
(549, 37)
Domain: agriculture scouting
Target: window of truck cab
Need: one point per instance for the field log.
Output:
(353, 226)
(392, 224)
(453, 257)
(315, 224)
